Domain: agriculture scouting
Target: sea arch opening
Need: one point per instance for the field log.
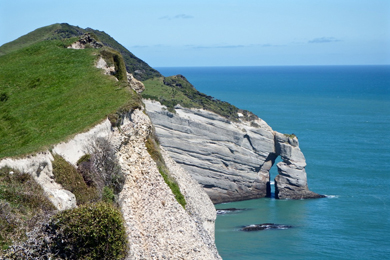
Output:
(272, 171)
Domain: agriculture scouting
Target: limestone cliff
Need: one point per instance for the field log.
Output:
(158, 227)
(230, 160)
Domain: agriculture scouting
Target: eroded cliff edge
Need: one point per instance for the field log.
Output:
(157, 225)
(231, 160)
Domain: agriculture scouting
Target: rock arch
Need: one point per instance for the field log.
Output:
(291, 181)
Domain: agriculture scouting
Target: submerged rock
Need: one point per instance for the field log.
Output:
(229, 210)
(257, 227)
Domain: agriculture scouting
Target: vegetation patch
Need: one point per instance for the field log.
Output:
(22, 201)
(94, 231)
(153, 149)
(68, 176)
(114, 58)
(116, 119)
(292, 136)
(174, 90)
(97, 177)
(103, 167)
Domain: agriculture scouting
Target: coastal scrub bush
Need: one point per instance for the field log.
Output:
(100, 169)
(68, 176)
(94, 231)
(108, 195)
(22, 201)
(105, 166)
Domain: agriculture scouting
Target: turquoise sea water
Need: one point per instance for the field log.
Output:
(341, 115)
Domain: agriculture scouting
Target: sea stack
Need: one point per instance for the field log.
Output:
(291, 182)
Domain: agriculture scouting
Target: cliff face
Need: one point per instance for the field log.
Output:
(157, 225)
(230, 160)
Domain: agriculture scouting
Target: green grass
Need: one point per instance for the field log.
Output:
(28, 39)
(153, 149)
(134, 65)
(49, 93)
(174, 90)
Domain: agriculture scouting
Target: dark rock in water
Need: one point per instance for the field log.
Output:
(256, 227)
(229, 210)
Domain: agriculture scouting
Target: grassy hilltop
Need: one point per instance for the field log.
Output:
(49, 92)
(134, 65)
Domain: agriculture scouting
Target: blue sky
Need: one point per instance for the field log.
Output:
(222, 32)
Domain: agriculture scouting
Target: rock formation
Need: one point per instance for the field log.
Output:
(40, 167)
(158, 227)
(291, 182)
(135, 84)
(231, 160)
(85, 41)
(265, 226)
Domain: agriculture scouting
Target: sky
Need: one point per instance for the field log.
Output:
(176, 33)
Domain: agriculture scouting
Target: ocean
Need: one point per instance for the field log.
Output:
(341, 115)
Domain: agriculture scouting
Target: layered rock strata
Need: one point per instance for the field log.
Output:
(231, 160)
(158, 227)
(291, 182)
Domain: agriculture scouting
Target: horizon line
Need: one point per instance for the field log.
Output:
(219, 66)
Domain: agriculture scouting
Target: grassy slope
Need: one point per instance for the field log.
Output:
(134, 65)
(48, 92)
(174, 90)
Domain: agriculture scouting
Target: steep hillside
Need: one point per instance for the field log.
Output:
(134, 65)
(83, 145)
(49, 92)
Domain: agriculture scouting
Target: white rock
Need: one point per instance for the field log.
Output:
(230, 160)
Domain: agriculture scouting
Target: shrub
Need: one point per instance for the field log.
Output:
(94, 231)
(68, 176)
(22, 201)
(84, 158)
(108, 195)
(105, 167)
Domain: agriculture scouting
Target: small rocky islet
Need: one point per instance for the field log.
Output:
(265, 226)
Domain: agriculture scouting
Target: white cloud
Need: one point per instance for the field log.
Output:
(178, 16)
(324, 40)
